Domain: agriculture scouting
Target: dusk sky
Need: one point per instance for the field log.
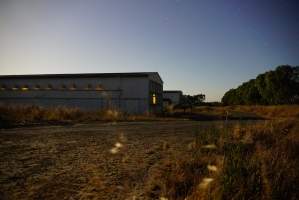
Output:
(197, 46)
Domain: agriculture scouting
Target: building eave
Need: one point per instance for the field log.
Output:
(79, 75)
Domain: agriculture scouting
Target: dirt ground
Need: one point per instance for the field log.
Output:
(89, 161)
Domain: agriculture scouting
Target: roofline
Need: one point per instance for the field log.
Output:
(158, 76)
(81, 75)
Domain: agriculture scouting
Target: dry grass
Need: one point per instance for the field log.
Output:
(253, 162)
(78, 162)
(235, 112)
(155, 160)
(12, 116)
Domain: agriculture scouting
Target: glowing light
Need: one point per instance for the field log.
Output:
(209, 146)
(212, 168)
(205, 182)
(24, 88)
(118, 145)
(15, 87)
(114, 150)
(154, 99)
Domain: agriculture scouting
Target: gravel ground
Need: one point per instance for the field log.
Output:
(89, 161)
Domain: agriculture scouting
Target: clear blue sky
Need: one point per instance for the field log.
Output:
(197, 46)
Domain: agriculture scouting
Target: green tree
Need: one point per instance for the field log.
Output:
(189, 101)
(280, 86)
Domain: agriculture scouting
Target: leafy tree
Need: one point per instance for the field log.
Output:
(189, 101)
(280, 86)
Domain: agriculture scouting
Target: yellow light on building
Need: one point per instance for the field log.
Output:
(24, 88)
(154, 99)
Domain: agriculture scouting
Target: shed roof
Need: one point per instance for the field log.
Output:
(84, 75)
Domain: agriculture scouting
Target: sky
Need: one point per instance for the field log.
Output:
(197, 46)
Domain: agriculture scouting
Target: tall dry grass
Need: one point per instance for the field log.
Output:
(259, 161)
(268, 112)
(11, 116)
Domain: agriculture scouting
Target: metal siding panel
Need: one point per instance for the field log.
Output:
(129, 94)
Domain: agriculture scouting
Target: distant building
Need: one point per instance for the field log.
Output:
(128, 92)
(172, 97)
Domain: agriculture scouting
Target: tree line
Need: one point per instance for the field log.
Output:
(279, 86)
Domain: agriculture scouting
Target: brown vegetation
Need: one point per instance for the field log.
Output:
(239, 112)
(259, 161)
(172, 160)
(12, 116)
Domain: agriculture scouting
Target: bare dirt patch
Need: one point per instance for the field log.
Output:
(89, 161)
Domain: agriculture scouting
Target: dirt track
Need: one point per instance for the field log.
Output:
(95, 161)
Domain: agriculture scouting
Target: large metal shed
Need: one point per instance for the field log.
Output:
(136, 93)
